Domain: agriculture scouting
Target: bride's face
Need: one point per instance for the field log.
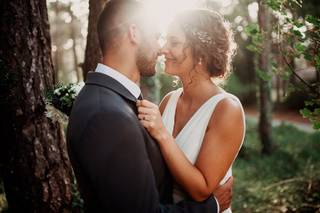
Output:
(177, 52)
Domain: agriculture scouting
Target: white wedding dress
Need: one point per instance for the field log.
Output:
(191, 136)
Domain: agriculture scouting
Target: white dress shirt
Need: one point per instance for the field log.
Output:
(133, 88)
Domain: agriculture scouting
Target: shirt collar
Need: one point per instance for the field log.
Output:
(133, 88)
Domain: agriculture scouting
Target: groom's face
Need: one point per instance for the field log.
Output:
(148, 51)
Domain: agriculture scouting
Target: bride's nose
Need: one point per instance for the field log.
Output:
(164, 50)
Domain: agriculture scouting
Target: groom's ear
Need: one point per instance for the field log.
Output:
(133, 33)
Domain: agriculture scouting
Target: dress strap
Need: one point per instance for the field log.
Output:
(169, 111)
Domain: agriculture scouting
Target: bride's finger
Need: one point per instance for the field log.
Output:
(145, 110)
(146, 117)
(145, 123)
(147, 103)
(141, 116)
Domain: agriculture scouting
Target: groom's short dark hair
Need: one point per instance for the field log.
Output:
(112, 21)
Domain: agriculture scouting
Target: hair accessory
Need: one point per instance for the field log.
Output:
(203, 36)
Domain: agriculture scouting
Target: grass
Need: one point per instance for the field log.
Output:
(286, 181)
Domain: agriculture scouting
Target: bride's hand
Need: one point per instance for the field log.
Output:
(150, 117)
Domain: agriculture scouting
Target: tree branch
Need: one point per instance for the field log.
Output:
(310, 87)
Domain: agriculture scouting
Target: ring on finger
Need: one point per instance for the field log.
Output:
(146, 117)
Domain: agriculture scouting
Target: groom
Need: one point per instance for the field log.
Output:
(117, 164)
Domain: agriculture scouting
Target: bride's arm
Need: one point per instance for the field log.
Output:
(219, 148)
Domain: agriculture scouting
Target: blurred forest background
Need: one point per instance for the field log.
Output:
(276, 75)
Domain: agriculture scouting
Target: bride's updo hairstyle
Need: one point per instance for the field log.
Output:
(210, 38)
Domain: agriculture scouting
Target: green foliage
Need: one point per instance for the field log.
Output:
(317, 62)
(312, 112)
(299, 48)
(274, 4)
(286, 181)
(236, 87)
(307, 45)
(281, 5)
(168, 83)
(256, 46)
(77, 201)
(296, 37)
(253, 31)
(313, 20)
(63, 96)
(152, 84)
(262, 74)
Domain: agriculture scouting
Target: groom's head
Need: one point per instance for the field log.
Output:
(123, 27)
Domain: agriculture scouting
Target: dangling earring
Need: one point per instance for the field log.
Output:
(200, 61)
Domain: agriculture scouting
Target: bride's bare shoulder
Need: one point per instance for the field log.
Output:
(228, 109)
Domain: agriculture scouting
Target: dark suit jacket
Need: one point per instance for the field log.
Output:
(118, 166)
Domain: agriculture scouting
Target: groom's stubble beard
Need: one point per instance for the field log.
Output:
(145, 64)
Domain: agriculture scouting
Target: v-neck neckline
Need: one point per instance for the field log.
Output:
(192, 116)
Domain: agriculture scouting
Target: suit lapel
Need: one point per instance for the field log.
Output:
(100, 79)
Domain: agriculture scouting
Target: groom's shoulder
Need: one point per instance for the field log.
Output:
(96, 95)
(105, 101)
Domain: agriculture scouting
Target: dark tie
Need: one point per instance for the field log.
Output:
(134, 107)
(140, 97)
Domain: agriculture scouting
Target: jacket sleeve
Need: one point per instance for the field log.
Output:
(112, 154)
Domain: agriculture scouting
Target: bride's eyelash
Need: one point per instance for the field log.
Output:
(174, 43)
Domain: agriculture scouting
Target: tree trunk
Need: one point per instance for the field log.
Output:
(75, 58)
(265, 121)
(36, 169)
(278, 88)
(74, 46)
(92, 54)
(57, 55)
(317, 75)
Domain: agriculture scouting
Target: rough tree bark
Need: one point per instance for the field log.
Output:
(265, 103)
(35, 165)
(92, 53)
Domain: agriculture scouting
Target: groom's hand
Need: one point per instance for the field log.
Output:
(224, 194)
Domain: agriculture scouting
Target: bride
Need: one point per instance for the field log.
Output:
(202, 126)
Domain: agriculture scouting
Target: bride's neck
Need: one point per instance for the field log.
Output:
(198, 89)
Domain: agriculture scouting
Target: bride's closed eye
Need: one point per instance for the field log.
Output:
(174, 43)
